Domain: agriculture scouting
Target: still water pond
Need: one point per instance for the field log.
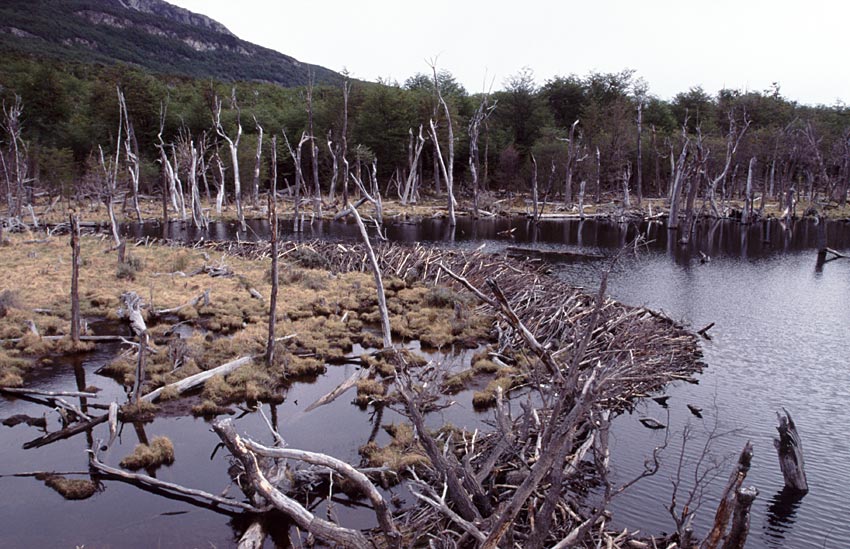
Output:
(781, 339)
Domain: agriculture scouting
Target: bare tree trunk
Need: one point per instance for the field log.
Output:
(746, 215)
(737, 538)
(448, 166)
(132, 154)
(197, 210)
(534, 201)
(410, 185)
(335, 176)
(299, 176)
(598, 176)
(272, 196)
(480, 116)
(627, 174)
(678, 182)
(572, 151)
(233, 143)
(639, 167)
(346, 90)
(75, 278)
(581, 199)
(219, 197)
(259, 158)
(314, 151)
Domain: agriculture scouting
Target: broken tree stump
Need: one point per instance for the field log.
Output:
(790, 451)
(728, 501)
(737, 537)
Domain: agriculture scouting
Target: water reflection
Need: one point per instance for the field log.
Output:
(715, 238)
(781, 515)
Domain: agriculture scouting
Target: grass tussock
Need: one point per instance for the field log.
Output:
(369, 390)
(72, 489)
(209, 409)
(402, 453)
(139, 411)
(159, 452)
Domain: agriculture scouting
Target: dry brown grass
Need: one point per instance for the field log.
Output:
(73, 489)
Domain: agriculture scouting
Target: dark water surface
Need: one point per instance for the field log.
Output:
(782, 338)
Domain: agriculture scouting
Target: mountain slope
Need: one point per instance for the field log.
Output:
(147, 33)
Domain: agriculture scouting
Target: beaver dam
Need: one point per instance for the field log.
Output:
(546, 365)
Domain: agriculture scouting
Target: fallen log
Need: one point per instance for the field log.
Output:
(790, 451)
(385, 519)
(322, 529)
(191, 382)
(137, 478)
(35, 392)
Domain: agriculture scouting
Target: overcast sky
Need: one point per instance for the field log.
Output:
(672, 44)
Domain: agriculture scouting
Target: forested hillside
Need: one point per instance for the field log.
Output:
(150, 34)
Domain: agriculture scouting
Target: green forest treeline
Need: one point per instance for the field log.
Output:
(71, 108)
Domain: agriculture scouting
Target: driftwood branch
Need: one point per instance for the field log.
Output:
(304, 519)
(191, 382)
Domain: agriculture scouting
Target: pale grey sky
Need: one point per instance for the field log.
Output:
(672, 44)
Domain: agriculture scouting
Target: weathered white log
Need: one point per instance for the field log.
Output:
(385, 519)
(205, 297)
(790, 450)
(253, 537)
(304, 519)
(35, 392)
(350, 382)
(191, 382)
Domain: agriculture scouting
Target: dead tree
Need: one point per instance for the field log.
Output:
(17, 167)
(220, 194)
(272, 196)
(185, 158)
(627, 174)
(343, 146)
(109, 189)
(233, 143)
(335, 174)
(314, 149)
(790, 451)
(131, 149)
(747, 213)
(255, 191)
(481, 114)
(75, 277)
(733, 140)
(639, 167)
(572, 160)
(534, 198)
(446, 165)
(410, 190)
(679, 170)
(175, 188)
(379, 284)
(299, 175)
